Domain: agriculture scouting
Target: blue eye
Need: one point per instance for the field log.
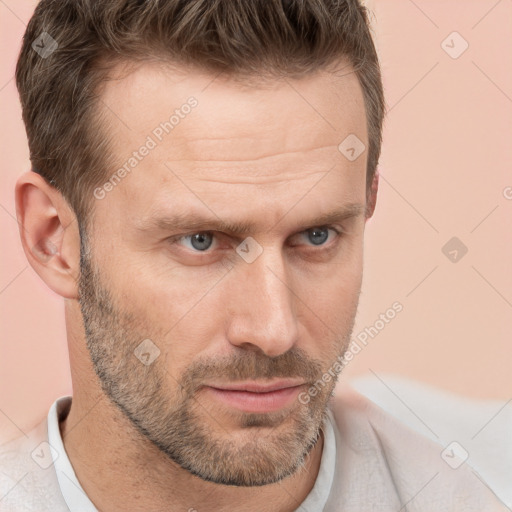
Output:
(318, 236)
(200, 241)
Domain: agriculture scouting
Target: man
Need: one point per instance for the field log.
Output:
(202, 175)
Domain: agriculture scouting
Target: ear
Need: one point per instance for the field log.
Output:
(372, 199)
(49, 233)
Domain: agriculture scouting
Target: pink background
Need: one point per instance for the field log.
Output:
(445, 172)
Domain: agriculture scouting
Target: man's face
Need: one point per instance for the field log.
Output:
(175, 314)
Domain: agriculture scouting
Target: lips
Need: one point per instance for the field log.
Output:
(256, 397)
(257, 387)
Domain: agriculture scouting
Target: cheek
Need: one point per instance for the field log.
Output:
(180, 314)
(156, 290)
(328, 308)
(334, 304)
(335, 286)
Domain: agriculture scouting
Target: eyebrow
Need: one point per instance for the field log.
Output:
(191, 222)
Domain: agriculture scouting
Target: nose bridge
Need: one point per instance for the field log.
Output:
(264, 307)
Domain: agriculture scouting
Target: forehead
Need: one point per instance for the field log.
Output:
(210, 135)
(232, 108)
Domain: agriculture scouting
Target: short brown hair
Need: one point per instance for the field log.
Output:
(244, 38)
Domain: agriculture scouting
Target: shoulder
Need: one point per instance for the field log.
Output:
(28, 481)
(387, 464)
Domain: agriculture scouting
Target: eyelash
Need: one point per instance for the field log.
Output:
(338, 233)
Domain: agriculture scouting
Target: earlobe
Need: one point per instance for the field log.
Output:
(372, 199)
(49, 233)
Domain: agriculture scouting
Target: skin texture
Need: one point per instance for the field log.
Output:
(151, 436)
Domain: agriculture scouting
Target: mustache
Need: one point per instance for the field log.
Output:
(252, 366)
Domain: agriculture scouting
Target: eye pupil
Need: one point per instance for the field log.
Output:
(318, 236)
(201, 241)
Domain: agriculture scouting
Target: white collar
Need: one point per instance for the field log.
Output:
(72, 492)
(318, 496)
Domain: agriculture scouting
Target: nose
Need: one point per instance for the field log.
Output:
(262, 306)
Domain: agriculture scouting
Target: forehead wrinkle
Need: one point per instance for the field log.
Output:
(254, 180)
(275, 154)
(255, 171)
